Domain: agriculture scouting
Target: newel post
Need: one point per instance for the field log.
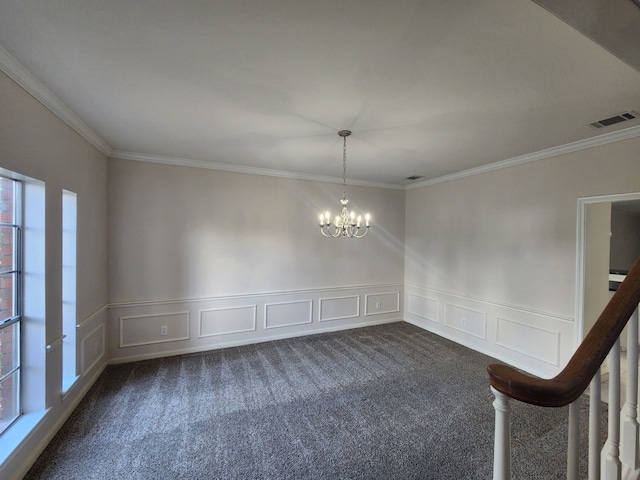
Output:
(502, 441)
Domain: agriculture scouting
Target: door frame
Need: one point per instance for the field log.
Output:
(581, 229)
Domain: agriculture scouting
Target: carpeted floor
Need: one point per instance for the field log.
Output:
(384, 402)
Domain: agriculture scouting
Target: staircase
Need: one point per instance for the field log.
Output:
(619, 459)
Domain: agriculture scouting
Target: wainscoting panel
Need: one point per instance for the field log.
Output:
(199, 324)
(465, 320)
(339, 308)
(537, 342)
(381, 303)
(288, 314)
(423, 307)
(147, 329)
(92, 348)
(225, 321)
(527, 339)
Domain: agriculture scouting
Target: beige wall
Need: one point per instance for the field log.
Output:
(509, 236)
(34, 143)
(491, 259)
(179, 233)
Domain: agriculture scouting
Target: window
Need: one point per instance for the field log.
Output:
(10, 301)
(69, 233)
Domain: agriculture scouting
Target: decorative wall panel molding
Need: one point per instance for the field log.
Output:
(136, 330)
(537, 342)
(423, 307)
(338, 308)
(92, 348)
(228, 320)
(381, 303)
(98, 314)
(288, 314)
(528, 339)
(133, 329)
(465, 320)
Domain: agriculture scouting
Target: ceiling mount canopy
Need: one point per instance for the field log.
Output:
(348, 224)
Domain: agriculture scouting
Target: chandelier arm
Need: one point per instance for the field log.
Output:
(363, 234)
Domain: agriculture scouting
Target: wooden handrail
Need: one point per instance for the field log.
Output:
(571, 382)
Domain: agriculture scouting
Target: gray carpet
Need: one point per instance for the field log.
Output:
(384, 402)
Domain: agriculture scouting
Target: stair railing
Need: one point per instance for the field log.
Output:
(620, 457)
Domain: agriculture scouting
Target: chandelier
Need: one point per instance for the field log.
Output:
(348, 223)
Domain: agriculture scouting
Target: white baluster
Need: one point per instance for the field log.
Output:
(502, 440)
(595, 410)
(630, 452)
(611, 466)
(574, 441)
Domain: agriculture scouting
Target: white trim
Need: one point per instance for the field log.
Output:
(408, 307)
(149, 315)
(380, 312)
(266, 314)
(67, 386)
(462, 330)
(500, 321)
(18, 434)
(581, 250)
(480, 333)
(344, 317)
(23, 77)
(576, 146)
(310, 291)
(226, 167)
(332, 327)
(493, 302)
(254, 307)
(84, 368)
(481, 348)
(93, 316)
(597, 141)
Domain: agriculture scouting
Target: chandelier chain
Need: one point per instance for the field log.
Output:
(344, 168)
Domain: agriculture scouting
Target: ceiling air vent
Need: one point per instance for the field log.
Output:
(414, 177)
(621, 117)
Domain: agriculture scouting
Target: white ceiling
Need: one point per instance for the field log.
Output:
(427, 87)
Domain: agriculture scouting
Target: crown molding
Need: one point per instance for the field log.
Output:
(604, 139)
(184, 162)
(617, 136)
(23, 77)
(19, 74)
